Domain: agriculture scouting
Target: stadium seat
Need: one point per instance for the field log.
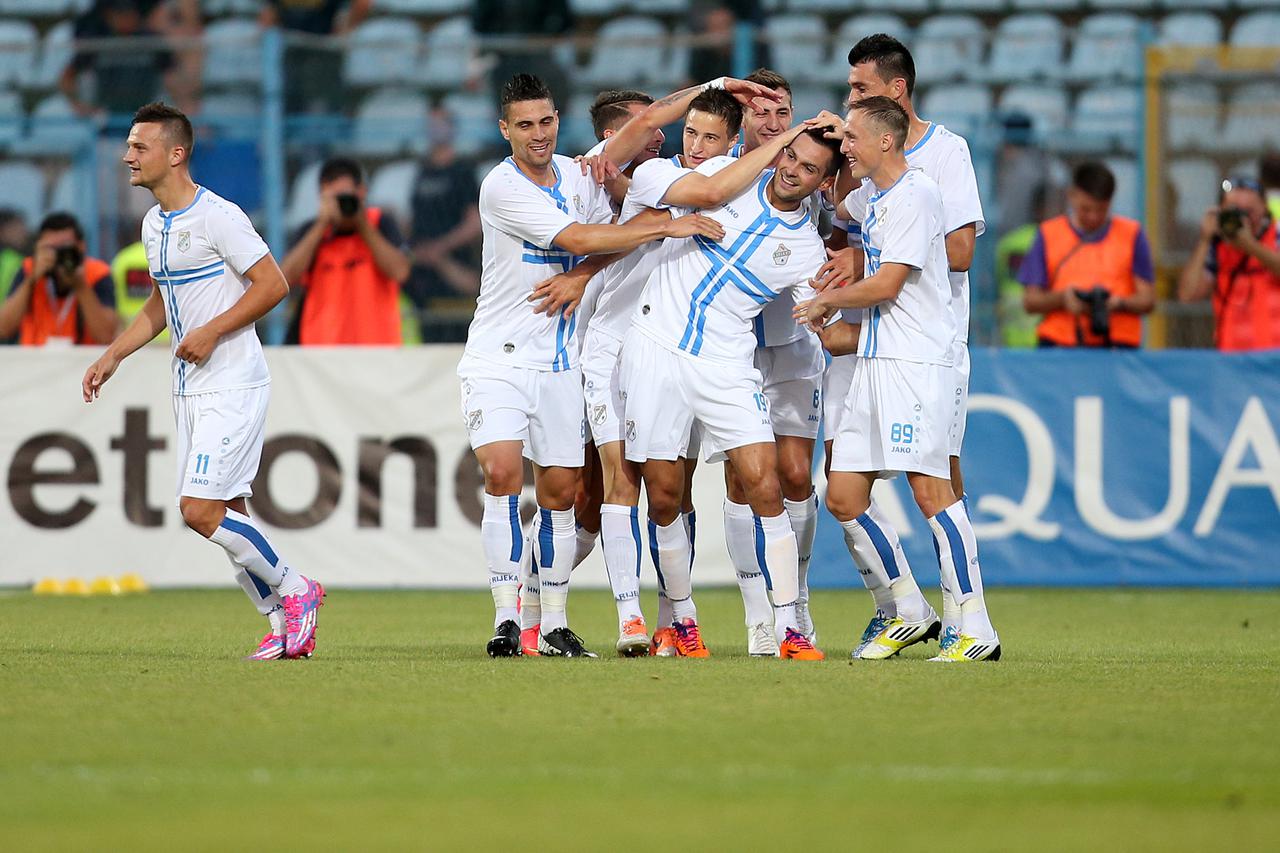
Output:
(381, 52)
(661, 7)
(576, 134)
(1109, 117)
(18, 41)
(474, 120)
(798, 46)
(1196, 183)
(1258, 4)
(860, 26)
(391, 121)
(233, 55)
(55, 126)
(985, 6)
(901, 7)
(628, 51)
(1189, 28)
(819, 6)
(1256, 29)
(596, 8)
(66, 193)
(35, 8)
(23, 189)
(1046, 106)
(447, 53)
(224, 8)
(1026, 47)
(11, 116)
(304, 198)
(962, 108)
(1192, 113)
(1107, 46)
(1194, 4)
(236, 115)
(391, 188)
(808, 101)
(1252, 118)
(1045, 5)
(949, 48)
(424, 8)
(1128, 198)
(56, 53)
(1147, 7)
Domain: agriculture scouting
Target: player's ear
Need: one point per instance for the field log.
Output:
(502, 126)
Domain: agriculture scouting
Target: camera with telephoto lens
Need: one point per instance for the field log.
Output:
(1230, 221)
(1095, 299)
(348, 204)
(67, 258)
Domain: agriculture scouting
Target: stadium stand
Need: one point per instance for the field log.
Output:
(949, 47)
(382, 51)
(1026, 47)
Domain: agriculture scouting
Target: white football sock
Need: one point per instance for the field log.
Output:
(740, 538)
(804, 522)
(530, 589)
(673, 554)
(620, 532)
(264, 598)
(504, 547)
(690, 520)
(585, 543)
(776, 544)
(249, 549)
(557, 543)
(958, 564)
(877, 554)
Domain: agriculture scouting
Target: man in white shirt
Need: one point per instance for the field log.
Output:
(213, 279)
(897, 412)
(522, 389)
(688, 359)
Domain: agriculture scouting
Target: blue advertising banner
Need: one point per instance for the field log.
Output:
(1092, 468)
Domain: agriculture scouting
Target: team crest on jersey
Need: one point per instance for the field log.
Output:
(577, 204)
(631, 431)
(184, 240)
(781, 255)
(475, 419)
(598, 414)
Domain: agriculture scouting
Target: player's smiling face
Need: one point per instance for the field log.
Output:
(765, 120)
(862, 146)
(147, 154)
(531, 127)
(705, 136)
(802, 168)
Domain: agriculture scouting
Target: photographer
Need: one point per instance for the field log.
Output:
(60, 296)
(1237, 262)
(1089, 273)
(349, 264)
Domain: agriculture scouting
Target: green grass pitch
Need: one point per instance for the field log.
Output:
(1118, 720)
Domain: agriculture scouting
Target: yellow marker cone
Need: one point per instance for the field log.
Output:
(132, 583)
(75, 586)
(104, 586)
(48, 586)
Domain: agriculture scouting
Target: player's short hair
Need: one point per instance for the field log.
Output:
(60, 221)
(1095, 180)
(886, 114)
(341, 167)
(177, 127)
(524, 87)
(610, 110)
(833, 145)
(769, 77)
(718, 102)
(891, 58)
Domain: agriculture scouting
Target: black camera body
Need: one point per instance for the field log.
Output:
(348, 204)
(1096, 298)
(67, 258)
(1230, 221)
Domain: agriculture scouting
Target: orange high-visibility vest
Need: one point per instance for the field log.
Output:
(1076, 264)
(50, 317)
(349, 300)
(1246, 298)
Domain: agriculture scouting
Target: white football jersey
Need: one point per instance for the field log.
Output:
(903, 225)
(944, 157)
(198, 257)
(520, 221)
(703, 297)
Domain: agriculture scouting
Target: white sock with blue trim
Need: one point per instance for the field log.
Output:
(804, 522)
(877, 555)
(502, 540)
(557, 540)
(673, 555)
(264, 598)
(776, 550)
(530, 588)
(620, 536)
(249, 549)
(740, 538)
(958, 564)
(585, 543)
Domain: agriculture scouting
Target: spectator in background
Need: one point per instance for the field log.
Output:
(314, 79)
(446, 220)
(60, 296)
(1269, 172)
(1237, 262)
(349, 263)
(1089, 273)
(13, 247)
(116, 79)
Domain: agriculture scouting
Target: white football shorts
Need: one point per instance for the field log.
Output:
(960, 396)
(540, 408)
(792, 376)
(602, 386)
(219, 444)
(835, 390)
(896, 419)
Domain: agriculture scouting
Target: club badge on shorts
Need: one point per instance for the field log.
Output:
(475, 419)
(631, 431)
(598, 414)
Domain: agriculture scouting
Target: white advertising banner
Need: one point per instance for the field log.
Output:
(366, 476)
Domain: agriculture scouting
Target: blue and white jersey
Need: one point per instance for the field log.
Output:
(198, 257)
(520, 222)
(944, 157)
(703, 297)
(903, 225)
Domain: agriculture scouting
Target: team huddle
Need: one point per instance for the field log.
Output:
(637, 313)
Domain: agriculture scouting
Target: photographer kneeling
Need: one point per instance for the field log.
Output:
(1088, 272)
(60, 296)
(1237, 262)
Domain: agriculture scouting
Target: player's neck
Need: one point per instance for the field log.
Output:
(177, 192)
(543, 177)
(916, 130)
(889, 172)
(786, 206)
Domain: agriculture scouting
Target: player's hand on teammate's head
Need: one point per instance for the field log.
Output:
(97, 375)
(828, 121)
(696, 225)
(838, 271)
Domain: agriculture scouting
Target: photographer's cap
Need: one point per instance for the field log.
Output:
(1243, 182)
